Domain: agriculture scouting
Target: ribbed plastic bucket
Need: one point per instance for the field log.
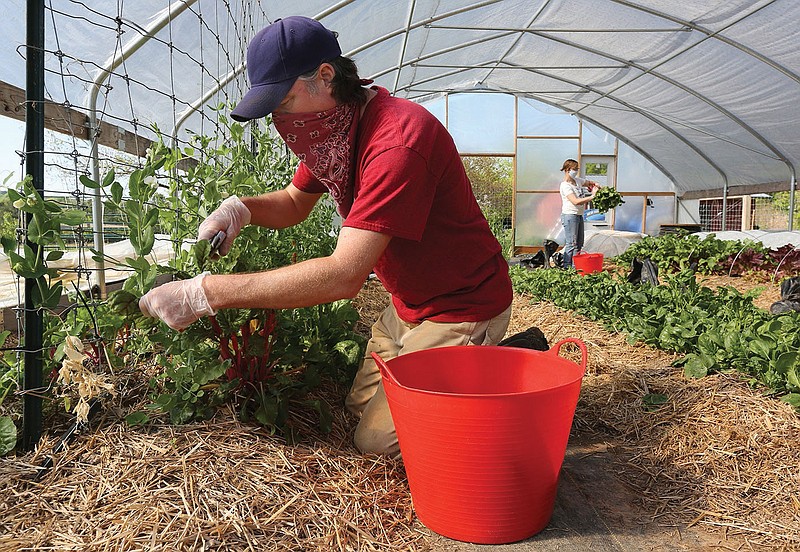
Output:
(483, 432)
(587, 263)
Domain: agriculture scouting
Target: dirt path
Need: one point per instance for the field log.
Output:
(596, 510)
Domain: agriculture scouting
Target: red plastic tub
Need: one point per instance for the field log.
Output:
(587, 263)
(483, 432)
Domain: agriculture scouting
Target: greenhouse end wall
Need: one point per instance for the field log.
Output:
(540, 137)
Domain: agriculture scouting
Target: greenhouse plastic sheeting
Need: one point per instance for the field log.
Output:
(12, 295)
(708, 91)
(772, 240)
(610, 242)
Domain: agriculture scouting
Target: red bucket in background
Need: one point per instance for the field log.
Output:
(587, 263)
(483, 432)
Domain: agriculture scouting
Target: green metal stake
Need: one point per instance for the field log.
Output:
(34, 166)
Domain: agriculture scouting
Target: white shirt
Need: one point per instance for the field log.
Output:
(577, 189)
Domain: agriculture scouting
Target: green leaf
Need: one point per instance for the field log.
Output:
(35, 231)
(51, 296)
(134, 180)
(109, 178)
(325, 417)
(28, 266)
(116, 192)
(181, 414)
(88, 182)
(73, 217)
(133, 210)
(134, 237)
(8, 435)
(206, 371)
(151, 217)
(267, 411)
(51, 206)
(694, 367)
(148, 241)
(166, 401)
(792, 379)
(158, 164)
(654, 400)
(140, 264)
(137, 419)
(350, 350)
(762, 347)
(9, 243)
(786, 361)
(792, 399)
(13, 195)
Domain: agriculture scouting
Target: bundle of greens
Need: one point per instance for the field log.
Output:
(607, 198)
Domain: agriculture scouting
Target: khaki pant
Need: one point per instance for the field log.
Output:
(392, 337)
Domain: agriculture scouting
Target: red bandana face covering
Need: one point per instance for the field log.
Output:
(325, 142)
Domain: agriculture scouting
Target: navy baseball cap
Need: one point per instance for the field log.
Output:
(278, 54)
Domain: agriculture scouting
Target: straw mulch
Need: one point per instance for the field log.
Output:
(214, 486)
(717, 456)
(220, 485)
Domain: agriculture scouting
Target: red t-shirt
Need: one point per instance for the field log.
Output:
(442, 263)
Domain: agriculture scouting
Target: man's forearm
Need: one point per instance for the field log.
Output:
(304, 284)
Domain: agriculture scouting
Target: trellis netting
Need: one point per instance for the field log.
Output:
(116, 75)
(102, 110)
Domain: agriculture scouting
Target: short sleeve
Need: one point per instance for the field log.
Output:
(305, 181)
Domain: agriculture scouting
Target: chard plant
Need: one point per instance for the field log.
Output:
(709, 255)
(263, 360)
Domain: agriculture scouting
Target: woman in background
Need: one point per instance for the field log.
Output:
(576, 192)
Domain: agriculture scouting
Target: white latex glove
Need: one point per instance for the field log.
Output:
(179, 303)
(231, 216)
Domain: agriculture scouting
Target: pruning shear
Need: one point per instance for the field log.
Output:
(216, 242)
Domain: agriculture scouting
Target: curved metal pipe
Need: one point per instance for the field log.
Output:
(750, 52)
(174, 10)
(630, 107)
(203, 99)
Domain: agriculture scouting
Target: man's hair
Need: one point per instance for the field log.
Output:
(346, 84)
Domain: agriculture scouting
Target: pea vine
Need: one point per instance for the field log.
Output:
(262, 360)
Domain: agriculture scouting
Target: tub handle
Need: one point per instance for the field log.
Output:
(555, 349)
(384, 368)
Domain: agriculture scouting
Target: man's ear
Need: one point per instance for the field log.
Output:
(327, 72)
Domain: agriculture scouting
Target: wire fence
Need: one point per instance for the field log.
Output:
(769, 213)
(757, 212)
